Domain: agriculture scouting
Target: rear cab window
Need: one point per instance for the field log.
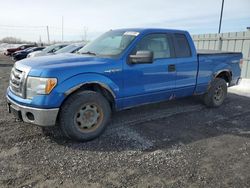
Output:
(182, 48)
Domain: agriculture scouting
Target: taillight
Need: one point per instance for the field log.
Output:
(241, 63)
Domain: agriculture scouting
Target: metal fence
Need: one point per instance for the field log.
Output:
(233, 41)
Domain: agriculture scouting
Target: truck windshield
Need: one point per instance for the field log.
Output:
(110, 44)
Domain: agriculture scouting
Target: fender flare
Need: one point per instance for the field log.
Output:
(73, 89)
(75, 82)
(223, 70)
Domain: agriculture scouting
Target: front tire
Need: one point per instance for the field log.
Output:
(84, 115)
(216, 94)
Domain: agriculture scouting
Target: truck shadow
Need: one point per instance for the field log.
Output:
(164, 125)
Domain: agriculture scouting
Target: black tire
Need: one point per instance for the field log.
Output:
(216, 93)
(78, 119)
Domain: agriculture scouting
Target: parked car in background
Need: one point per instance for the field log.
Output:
(50, 50)
(32, 54)
(72, 48)
(13, 54)
(120, 69)
(10, 51)
(19, 55)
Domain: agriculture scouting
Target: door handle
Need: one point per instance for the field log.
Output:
(171, 68)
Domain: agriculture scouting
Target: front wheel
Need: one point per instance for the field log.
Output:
(216, 94)
(84, 115)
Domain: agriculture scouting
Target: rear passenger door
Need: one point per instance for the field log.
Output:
(186, 66)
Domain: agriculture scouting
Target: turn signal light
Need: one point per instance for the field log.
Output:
(51, 83)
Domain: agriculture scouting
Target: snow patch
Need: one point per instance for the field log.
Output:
(242, 89)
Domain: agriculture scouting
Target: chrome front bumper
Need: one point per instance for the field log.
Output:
(37, 116)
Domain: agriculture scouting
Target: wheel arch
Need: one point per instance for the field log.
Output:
(88, 81)
(96, 86)
(225, 74)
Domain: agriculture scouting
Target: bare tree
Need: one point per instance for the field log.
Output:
(12, 40)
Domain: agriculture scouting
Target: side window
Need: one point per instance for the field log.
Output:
(159, 44)
(182, 48)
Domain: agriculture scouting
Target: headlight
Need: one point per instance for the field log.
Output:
(39, 86)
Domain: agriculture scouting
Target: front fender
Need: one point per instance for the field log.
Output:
(70, 85)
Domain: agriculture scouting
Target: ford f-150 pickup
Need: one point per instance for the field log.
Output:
(120, 69)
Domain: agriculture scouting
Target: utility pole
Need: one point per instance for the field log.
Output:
(48, 34)
(62, 28)
(221, 14)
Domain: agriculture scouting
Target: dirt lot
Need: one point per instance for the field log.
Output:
(173, 144)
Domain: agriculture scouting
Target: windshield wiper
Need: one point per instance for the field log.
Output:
(89, 53)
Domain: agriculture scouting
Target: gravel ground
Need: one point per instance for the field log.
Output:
(172, 144)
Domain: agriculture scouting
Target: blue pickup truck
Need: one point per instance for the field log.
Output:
(121, 69)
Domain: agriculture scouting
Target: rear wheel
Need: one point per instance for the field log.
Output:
(217, 93)
(84, 115)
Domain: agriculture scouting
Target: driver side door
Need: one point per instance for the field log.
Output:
(150, 82)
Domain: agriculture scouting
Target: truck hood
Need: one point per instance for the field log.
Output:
(57, 64)
(60, 60)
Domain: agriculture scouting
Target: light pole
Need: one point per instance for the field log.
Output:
(221, 13)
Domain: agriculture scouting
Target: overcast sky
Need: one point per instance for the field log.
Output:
(27, 19)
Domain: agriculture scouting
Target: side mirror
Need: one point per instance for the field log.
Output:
(141, 57)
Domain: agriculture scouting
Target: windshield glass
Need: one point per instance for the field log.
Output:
(111, 43)
(49, 48)
(53, 48)
(67, 49)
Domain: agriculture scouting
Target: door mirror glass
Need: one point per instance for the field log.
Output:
(142, 57)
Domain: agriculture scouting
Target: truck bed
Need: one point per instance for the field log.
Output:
(212, 62)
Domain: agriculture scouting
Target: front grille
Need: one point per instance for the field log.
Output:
(16, 81)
